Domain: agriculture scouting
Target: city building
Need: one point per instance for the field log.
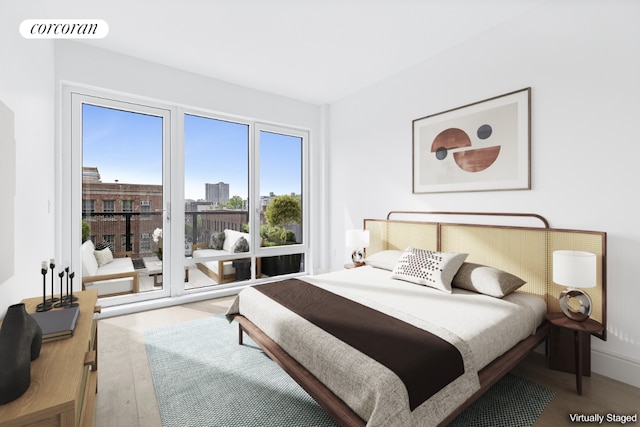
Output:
(218, 193)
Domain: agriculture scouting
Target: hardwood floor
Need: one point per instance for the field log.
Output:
(126, 396)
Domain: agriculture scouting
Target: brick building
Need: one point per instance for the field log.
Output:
(112, 209)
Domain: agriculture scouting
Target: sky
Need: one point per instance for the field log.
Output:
(127, 147)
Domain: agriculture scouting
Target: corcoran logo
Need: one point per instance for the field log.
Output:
(64, 28)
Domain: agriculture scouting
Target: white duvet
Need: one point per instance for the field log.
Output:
(481, 327)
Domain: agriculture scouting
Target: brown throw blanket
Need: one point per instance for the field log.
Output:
(423, 361)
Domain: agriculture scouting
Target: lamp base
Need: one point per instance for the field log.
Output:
(579, 314)
(357, 257)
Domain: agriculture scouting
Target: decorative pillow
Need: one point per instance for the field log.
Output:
(385, 260)
(217, 240)
(104, 244)
(241, 245)
(103, 256)
(428, 268)
(486, 280)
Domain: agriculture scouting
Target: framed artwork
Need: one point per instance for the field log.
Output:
(478, 147)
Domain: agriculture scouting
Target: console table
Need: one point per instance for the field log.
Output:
(64, 378)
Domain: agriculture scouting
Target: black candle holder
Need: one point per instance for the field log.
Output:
(53, 299)
(69, 298)
(45, 305)
(71, 302)
(62, 300)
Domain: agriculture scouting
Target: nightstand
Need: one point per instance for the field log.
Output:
(570, 345)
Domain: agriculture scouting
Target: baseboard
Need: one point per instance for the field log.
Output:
(616, 366)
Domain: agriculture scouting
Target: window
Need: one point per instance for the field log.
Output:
(282, 207)
(88, 206)
(145, 209)
(145, 243)
(218, 174)
(122, 148)
(109, 206)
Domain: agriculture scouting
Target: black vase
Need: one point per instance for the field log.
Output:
(20, 342)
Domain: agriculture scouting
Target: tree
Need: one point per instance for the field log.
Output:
(86, 231)
(235, 202)
(283, 210)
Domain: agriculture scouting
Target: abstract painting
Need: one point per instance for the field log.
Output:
(478, 147)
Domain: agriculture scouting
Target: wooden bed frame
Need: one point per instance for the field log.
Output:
(496, 245)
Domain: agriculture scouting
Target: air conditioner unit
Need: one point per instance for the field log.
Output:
(145, 203)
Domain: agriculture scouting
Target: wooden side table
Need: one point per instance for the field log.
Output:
(64, 378)
(561, 350)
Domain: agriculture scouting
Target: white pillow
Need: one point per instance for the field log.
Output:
(428, 268)
(103, 256)
(385, 260)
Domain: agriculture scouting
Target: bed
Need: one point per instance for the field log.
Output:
(335, 333)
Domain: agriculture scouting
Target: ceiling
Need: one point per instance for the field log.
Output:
(317, 51)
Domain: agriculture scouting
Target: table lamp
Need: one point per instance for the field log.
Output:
(575, 269)
(357, 239)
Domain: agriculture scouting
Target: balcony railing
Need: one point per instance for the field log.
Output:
(132, 232)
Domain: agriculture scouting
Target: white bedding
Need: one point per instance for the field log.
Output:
(489, 325)
(481, 327)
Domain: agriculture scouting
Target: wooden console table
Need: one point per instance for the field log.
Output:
(64, 378)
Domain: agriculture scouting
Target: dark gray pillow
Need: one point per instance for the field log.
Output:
(241, 245)
(486, 280)
(217, 240)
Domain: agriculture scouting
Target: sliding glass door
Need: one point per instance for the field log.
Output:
(122, 155)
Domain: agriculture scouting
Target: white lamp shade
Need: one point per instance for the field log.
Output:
(576, 269)
(357, 239)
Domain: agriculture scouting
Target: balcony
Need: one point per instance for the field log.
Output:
(130, 234)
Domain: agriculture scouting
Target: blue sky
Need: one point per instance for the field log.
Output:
(127, 147)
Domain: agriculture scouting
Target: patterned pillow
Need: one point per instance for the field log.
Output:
(486, 280)
(103, 256)
(104, 244)
(428, 268)
(217, 240)
(241, 245)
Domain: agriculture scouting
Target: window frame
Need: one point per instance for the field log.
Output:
(70, 202)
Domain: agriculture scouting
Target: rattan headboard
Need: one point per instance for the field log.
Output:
(521, 250)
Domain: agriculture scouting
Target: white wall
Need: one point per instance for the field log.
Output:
(83, 64)
(26, 87)
(582, 63)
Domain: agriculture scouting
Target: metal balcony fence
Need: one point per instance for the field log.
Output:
(131, 233)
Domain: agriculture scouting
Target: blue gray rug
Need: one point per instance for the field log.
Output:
(202, 377)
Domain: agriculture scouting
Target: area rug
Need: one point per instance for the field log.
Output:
(202, 377)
